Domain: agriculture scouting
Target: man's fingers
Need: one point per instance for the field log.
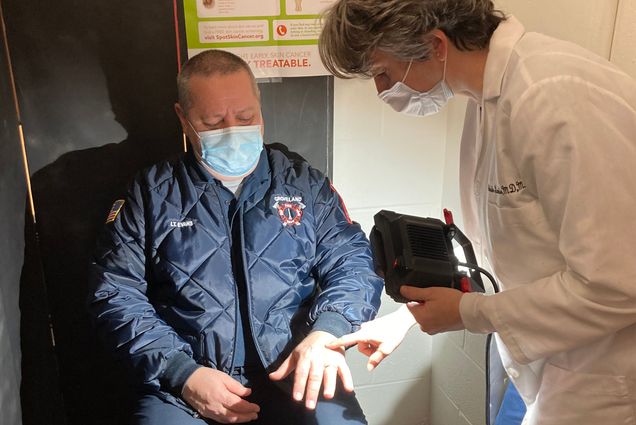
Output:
(232, 417)
(345, 376)
(283, 370)
(303, 368)
(238, 405)
(235, 387)
(228, 416)
(329, 381)
(414, 293)
(314, 382)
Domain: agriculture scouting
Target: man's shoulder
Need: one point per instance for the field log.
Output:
(289, 163)
(160, 173)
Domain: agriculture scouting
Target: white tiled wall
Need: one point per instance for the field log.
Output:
(386, 160)
(383, 159)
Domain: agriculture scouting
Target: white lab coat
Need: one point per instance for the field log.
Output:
(548, 182)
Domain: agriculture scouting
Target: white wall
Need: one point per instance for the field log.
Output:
(385, 160)
(623, 51)
(458, 360)
(588, 23)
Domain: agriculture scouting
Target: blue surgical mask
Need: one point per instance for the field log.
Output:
(404, 99)
(232, 151)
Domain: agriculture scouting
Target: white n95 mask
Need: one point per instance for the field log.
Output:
(232, 151)
(404, 99)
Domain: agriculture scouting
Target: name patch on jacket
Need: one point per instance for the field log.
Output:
(289, 208)
(507, 189)
(182, 223)
(114, 211)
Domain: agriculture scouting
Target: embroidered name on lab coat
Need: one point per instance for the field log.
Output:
(507, 189)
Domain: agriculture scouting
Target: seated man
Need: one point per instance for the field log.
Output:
(230, 263)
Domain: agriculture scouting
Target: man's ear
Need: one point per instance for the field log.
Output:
(181, 114)
(185, 127)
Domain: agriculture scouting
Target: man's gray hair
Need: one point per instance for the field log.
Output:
(354, 29)
(208, 63)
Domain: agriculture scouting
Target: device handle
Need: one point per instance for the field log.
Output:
(471, 258)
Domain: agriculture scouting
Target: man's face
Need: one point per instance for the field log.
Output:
(219, 101)
(388, 70)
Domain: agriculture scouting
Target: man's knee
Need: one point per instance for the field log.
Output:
(343, 409)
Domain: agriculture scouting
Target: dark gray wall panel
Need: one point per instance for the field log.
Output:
(12, 196)
(298, 113)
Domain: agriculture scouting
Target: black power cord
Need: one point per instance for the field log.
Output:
(485, 272)
(495, 287)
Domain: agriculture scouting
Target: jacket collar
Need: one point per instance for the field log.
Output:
(501, 46)
(254, 186)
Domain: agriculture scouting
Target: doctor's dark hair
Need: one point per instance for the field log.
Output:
(209, 63)
(354, 29)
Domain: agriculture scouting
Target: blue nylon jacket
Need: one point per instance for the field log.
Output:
(162, 282)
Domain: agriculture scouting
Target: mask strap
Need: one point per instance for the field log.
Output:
(407, 70)
(193, 129)
(445, 61)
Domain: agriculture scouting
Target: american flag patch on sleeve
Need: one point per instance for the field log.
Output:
(114, 211)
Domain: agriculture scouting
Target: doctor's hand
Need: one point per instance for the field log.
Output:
(315, 365)
(435, 309)
(215, 395)
(380, 337)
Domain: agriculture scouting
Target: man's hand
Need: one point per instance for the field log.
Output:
(315, 365)
(436, 309)
(215, 395)
(380, 337)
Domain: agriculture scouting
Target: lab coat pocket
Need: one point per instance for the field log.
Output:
(575, 398)
(524, 247)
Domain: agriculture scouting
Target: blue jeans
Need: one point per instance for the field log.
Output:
(512, 409)
(277, 407)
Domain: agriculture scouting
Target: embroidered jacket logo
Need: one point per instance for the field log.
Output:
(290, 209)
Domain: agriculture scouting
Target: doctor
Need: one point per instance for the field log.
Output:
(548, 187)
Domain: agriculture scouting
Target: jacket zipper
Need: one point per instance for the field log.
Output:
(228, 229)
(248, 297)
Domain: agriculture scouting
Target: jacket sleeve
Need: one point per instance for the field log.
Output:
(577, 140)
(349, 288)
(118, 302)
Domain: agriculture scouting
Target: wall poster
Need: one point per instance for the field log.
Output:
(277, 38)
